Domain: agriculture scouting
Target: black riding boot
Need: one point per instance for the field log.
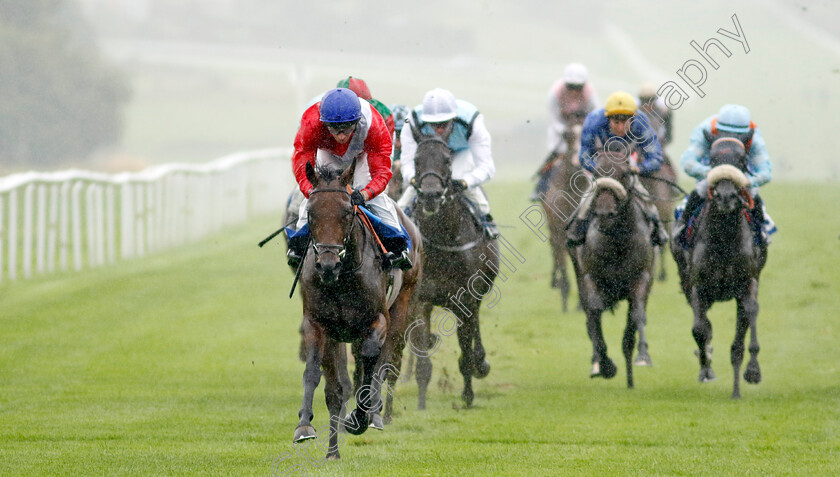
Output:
(693, 203)
(297, 247)
(490, 229)
(757, 216)
(397, 256)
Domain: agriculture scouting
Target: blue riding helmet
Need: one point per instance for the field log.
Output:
(400, 113)
(340, 105)
(734, 118)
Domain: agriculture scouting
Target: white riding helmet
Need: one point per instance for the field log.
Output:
(438, 106)
(575, 73)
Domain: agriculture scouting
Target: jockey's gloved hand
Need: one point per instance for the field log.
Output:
(356, 197)
(459, 185)
(702, 188)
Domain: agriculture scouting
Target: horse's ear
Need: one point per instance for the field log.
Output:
(710, 138)
(747, 136)
(414, 132)
(347, 176)
(311, 174)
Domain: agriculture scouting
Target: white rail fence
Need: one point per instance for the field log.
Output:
(74, 219)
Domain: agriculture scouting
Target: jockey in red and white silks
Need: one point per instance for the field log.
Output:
(370, 145)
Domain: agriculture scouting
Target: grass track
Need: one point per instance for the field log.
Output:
(185, 364)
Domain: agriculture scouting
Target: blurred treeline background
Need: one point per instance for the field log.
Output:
(121, 84)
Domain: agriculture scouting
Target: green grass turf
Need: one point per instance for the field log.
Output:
(186, 364)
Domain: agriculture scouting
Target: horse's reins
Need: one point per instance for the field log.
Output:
(443, 182)
(744, 192)
(275, 233)
(432, 244)
(670, 183)
(357, 211)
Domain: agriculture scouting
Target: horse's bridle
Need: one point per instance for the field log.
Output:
(444, 182)
(338, 249)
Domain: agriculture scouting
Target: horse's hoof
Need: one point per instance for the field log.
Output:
(376, 422)
(706, 375)
(596, 370)
(386, 419)
(357, 424)
(482, 369)
(608, 368)
(333, 456)
(304, 433)
(467, 396)
(643, 360)
(752, 374)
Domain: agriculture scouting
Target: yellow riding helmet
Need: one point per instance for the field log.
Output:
(620, 103)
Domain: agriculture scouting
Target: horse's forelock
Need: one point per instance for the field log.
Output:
(327, 174)
(432, 140)
(431, 144)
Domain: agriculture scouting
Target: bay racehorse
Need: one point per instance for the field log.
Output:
(615, 263)
(460, 264)
(724, 262)
(560, 203)
(344, 291)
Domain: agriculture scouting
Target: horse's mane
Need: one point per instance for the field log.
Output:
(608, 183)
(725, 171)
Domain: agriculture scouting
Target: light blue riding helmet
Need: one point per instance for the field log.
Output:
(400, 113)
(733, 118)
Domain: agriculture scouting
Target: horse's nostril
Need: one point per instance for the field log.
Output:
(318, 265)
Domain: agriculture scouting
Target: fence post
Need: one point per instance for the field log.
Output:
(52, 226)
(76, 220)
(28, 199)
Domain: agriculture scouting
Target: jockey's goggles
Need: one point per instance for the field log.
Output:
(341, 128)
(441, 124)
(574, 86)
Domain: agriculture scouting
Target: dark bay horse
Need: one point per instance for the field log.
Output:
(560, 203)
(724, 262)
(344, 292)
(615, 263)
(457, 255)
